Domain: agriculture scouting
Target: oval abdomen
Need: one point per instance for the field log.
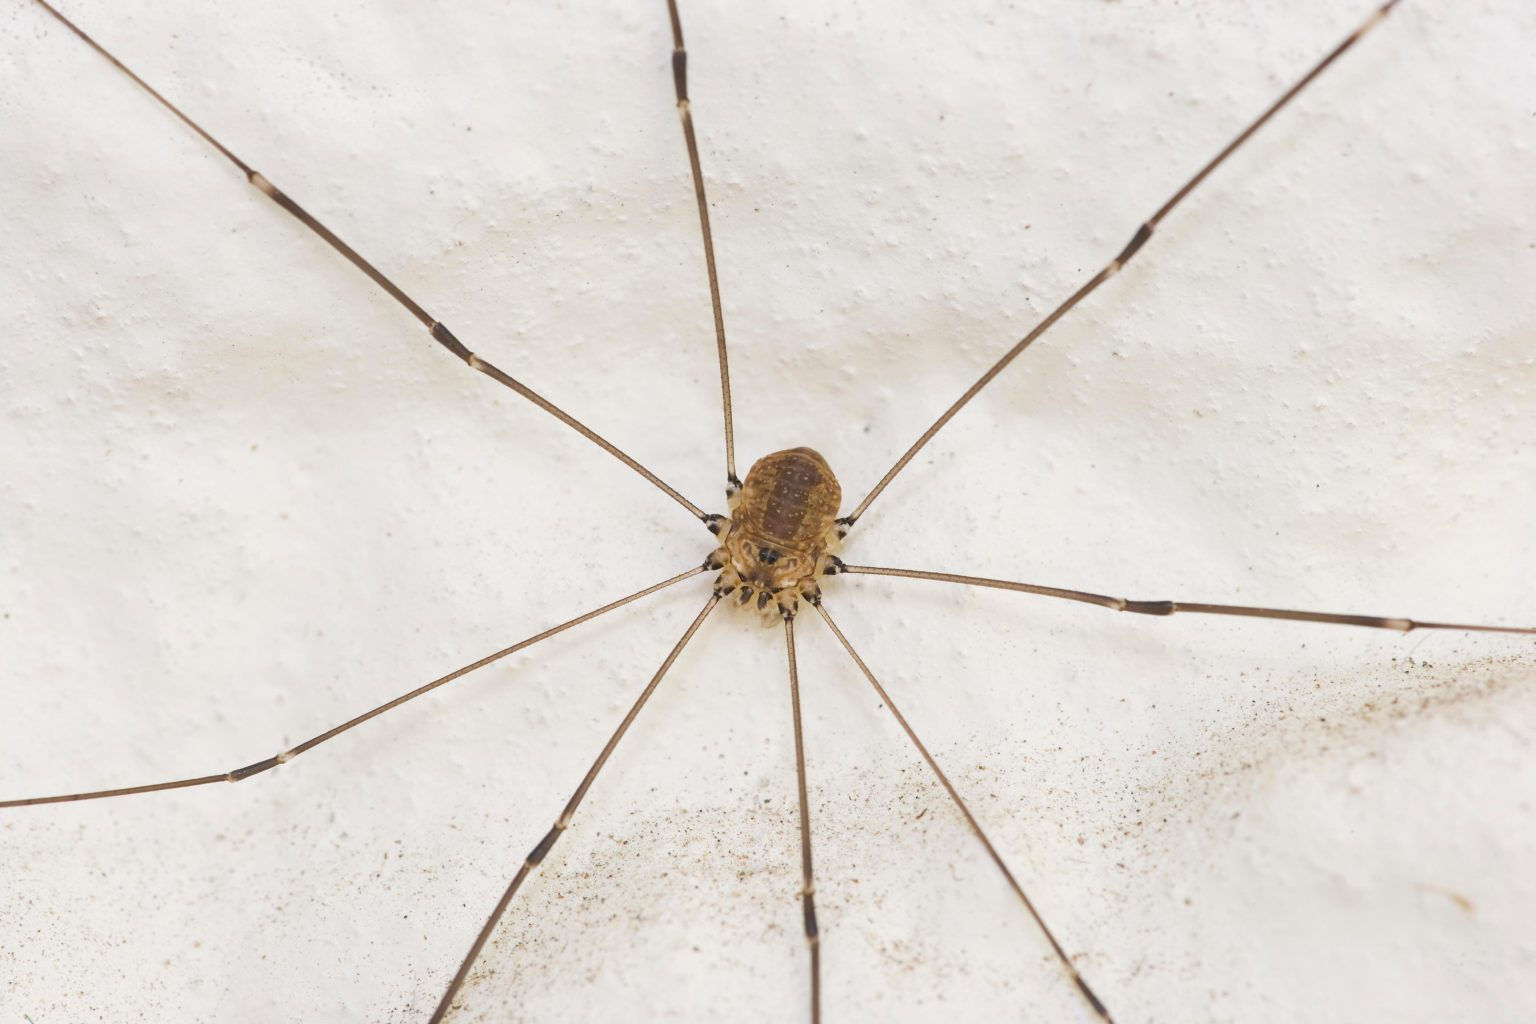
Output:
(790, 499)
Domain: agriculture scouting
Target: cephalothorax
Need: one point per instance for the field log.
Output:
(784, 520)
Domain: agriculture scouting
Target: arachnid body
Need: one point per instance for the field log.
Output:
(775, 544)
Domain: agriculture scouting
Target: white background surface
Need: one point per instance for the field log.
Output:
(245, 497)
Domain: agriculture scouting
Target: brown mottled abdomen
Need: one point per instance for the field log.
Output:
(790, 499)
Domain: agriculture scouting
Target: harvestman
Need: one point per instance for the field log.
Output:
(777, 542)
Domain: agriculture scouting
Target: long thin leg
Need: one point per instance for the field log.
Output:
(1113, 267)
(807, 886)
(685, 113)
(1061, 954)
(542, 848)
(439, 331)
(1121, 604)
(240, 774)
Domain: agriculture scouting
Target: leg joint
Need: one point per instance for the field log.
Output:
(444, 337)
(1138, 240)
(240, 774)
(536, 856)
(680, 74)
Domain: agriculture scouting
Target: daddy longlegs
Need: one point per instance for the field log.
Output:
(263, 900)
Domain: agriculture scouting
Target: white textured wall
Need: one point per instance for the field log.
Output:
(245, 497)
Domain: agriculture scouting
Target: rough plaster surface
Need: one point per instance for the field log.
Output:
(245, 497)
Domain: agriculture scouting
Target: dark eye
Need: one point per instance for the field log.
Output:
(767, 556)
